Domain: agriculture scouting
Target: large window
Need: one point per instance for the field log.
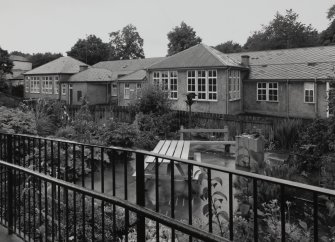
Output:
(114, 90)
(168, 81)
(126, 91)
(309, 92)
(56, 85)
(203, 83)
(27, 84)
(138, 90)
(63, 89)
(267, 91)
(47, 85)
(234, 84)
(34, 84)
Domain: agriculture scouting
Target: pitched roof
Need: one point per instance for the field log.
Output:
(197, 56)
(135, 76)
(18, 58)
(298, 63)
(92, 75)
(128, 65)
(62, 65)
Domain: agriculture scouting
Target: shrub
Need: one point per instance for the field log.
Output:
(287, 133)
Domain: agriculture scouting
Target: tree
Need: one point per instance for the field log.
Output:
(126, 44)
(331, 12)
(39, 59)
(283, 32)
(90, 50)
(327, 37)
(181, 38)
(229, 47)
(6, 66)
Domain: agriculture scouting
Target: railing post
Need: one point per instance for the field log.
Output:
(10, 185)
(140, 195)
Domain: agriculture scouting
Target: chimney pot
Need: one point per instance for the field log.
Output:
(245, 60)
(83, 67)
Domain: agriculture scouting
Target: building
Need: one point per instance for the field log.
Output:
(289, 82)
(215, 78)
(20, 66)
(128, 77)
(93, 84)
(44, 81)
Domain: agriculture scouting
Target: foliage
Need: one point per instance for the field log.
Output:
(90, 50)
(229, 47)
(6, 66)
(181, 38)
(153, 100)
(331, 12)
(327, 37)
(17, 121)
(283, 32)
(286, 133)
(38, 59)
(126, 44)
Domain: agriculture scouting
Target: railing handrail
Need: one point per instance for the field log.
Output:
(182, 227)
(259, 177)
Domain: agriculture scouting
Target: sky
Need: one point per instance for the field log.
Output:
(32, 26)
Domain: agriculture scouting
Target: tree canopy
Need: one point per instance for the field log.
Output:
(181, 38)
(90, 50)
(283, 32)
(38, 59)
(229, 47)
(6, 64)
(126, 44)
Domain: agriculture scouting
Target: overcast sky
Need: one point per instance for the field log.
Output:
(55, 25)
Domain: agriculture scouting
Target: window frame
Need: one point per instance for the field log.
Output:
(126, 89)
(79, 99)
(234, 85)
(173, 87)
(63, 91)
(308, 88)
(267, 89)
(27, 85)
(195, 78)
(114, 90)
(56, 85)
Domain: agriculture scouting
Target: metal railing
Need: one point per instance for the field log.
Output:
(56, 190)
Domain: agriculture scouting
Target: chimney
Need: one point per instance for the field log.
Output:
(83, 68)
(245, 60)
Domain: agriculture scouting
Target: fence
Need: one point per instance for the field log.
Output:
(55, 190)
(237, 123)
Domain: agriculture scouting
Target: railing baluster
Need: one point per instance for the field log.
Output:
(157, 195)
(140, 195)
(40, 185)
(282, 212)
(74, 194)
(52, 192)
(210, 201)
(67, 234)
(190, 196)
(173, 235)
(92, 187)
(316, 216)
(83, 185)
(231, 209)
(28, 186)
(255, 209)
(10, 185)
(45, 189)
(102, 191)
(58, 191)
(114, 192)
(126, 192)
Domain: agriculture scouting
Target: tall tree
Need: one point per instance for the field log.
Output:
(331, 12)
(6, 66)
(327, 37)
(90, 50)
(126, 44)
(39, 59)
(181, 38)
(283, 32)
(229, 47)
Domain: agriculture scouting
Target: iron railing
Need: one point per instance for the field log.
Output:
(56, 190)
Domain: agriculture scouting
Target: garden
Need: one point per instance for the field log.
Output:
(311, 160)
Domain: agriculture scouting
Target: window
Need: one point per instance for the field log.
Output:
(309, 92)
(267, 91)
(212, 92)
(165, 80)
(27, 84)
(114, 90)
(56, 88)
(126, 91)
(47, 85)
(203, 83)
(173, 85)
(79, 96)
(234, 80)
(63, 89)
(156, 78)
(138, 90)
(34, 84)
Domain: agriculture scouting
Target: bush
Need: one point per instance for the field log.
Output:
(287, 133)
